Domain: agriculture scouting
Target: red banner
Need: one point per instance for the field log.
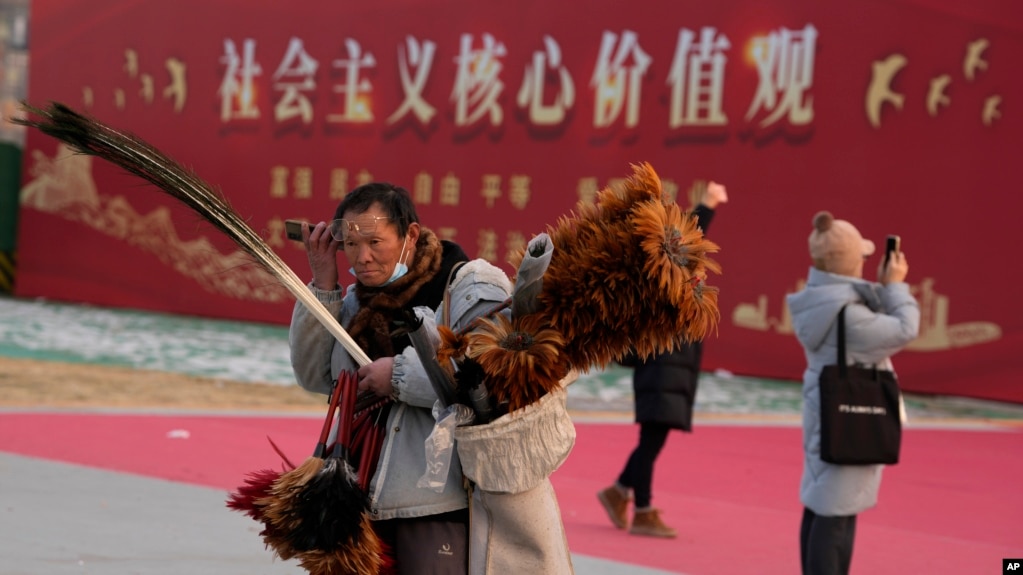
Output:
(900, 116)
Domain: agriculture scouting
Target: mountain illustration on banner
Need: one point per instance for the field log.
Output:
(63, 186)
(935, 332)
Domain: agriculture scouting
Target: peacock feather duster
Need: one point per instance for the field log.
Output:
(89, 136)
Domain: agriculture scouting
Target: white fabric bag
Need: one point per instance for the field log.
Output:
(515, 521)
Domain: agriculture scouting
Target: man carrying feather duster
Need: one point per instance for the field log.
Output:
(399, 265)
(626, 274)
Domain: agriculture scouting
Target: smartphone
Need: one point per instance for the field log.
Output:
(293, 229)
(892, 244)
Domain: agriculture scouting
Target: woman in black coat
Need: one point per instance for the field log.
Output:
(665, 391)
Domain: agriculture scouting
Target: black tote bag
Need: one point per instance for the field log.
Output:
(860, 416)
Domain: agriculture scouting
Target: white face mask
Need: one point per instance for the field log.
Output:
(400, 268)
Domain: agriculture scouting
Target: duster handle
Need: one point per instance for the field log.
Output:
(335, 395)
(347, 414)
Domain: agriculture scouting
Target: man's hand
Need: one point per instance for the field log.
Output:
(376, 376)
(321, 249)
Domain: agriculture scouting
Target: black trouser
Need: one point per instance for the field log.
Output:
(826, 543)
(431, 545)
(639, 469)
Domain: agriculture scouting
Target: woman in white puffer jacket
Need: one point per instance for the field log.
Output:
(880, 319)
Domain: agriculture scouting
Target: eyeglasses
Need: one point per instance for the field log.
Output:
(363, 226)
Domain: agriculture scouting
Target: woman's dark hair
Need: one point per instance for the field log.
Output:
(395, 201)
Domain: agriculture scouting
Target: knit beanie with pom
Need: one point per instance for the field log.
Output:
(836, 246)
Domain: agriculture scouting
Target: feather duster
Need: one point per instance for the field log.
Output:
(320, 507)
(258, 486)
(369, 557)
(624, 275)
(281, 522)
(521, 358)
(90, 136)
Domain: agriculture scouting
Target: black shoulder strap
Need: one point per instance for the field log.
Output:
(841, 342)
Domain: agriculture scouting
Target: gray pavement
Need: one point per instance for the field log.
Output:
(63, 519)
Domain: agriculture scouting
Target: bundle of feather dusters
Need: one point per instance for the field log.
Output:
(627, 275)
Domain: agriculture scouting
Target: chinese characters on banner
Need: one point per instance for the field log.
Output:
(500, 123)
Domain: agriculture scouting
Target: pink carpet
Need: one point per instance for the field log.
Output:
(953, 505)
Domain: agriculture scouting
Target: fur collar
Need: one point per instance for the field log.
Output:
(371, 327)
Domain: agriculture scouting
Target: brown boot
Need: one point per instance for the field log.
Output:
(616, 505)
(648, 522)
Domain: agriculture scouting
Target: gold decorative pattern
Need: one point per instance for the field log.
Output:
(64, 186)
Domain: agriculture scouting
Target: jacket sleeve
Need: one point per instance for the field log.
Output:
(475, 291)
(703, 215)
(312, 345)
(874, 336)
(409, 378)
